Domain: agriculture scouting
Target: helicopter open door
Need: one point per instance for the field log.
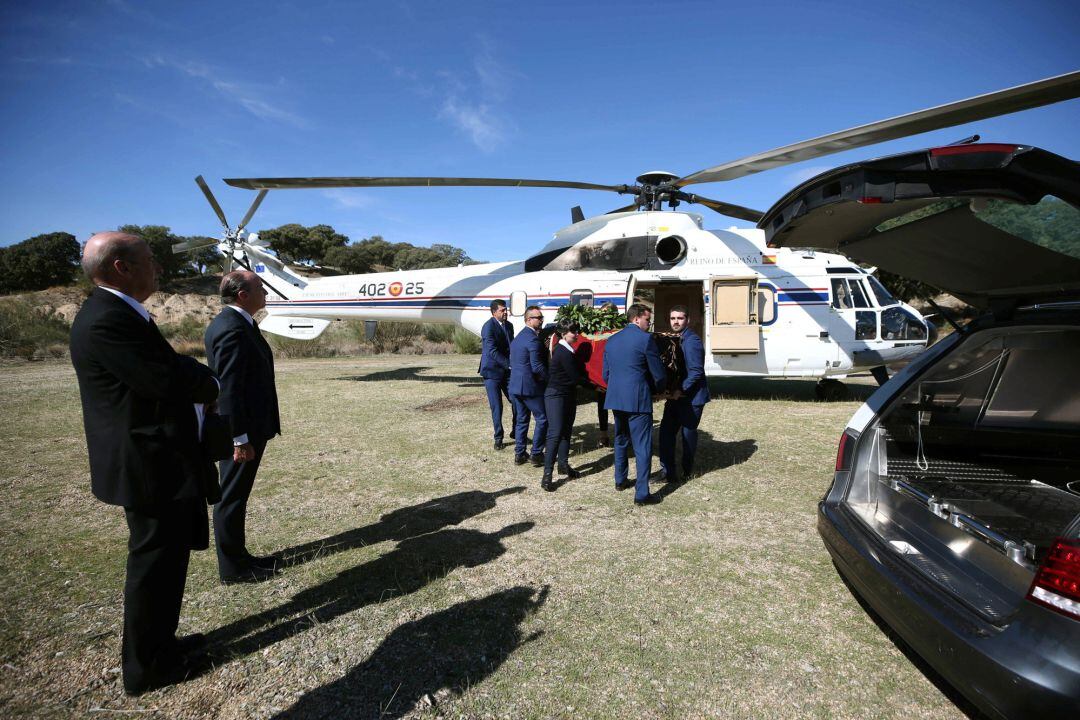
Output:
(735, 325)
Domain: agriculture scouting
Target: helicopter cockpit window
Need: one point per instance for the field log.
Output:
(841, 296)
(865, 325)
(884, 297)
(858, 294)
(582, 297)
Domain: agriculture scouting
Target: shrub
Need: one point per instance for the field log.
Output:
(190, 328)
(465, 342)
(439, 333)
(284, 347)
(28, 333)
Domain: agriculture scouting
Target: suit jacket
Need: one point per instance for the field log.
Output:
(565, 372)
(242, 360)
(632, 370)
(694, 388)
(528, 364)
(142, 434)
(495, 349)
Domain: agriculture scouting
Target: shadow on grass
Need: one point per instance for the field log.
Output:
(711, 455)
(427, 660)
(414, 373)
(413, 564)
(403, 523)
(742, 388)
(962, 703)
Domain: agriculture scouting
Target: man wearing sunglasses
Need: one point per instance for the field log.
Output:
(528, 378)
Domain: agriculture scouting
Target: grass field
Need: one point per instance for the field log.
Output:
(430, 577)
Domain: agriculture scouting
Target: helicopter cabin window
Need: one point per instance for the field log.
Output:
(518, 302)
(582, 297)
(766, 304)
(734, 316)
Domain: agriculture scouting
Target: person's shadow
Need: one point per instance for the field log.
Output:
(399, 524)
(428, 660)
(414, 563)
(414, 373)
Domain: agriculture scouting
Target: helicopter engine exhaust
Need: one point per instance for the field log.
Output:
(670, 249)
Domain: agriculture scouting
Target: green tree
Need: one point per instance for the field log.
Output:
(39, 262)
(298, 244)
(160, 239)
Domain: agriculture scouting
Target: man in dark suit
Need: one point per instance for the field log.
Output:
(528, 376)
(495, 339)
(633, 371)
(560, 403)
(242, 360)
(683, 410)
(142, 436)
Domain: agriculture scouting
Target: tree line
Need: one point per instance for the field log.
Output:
(52, 259)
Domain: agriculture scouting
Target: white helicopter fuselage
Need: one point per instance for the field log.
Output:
(759, 311)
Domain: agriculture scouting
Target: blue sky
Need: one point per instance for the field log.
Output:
(111, 107)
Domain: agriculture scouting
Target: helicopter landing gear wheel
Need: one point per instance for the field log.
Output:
(829, 390)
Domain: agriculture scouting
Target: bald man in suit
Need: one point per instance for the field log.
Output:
(142, 435)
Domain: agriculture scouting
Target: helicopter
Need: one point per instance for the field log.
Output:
(760, 311)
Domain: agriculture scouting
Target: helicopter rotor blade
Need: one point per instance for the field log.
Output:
(339, 182)
(197, 244)
(625, 208)
(1021, 97)
(213, 201)
(728, 209)
(252, 209)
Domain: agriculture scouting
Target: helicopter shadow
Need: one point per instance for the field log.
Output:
(415, 373)
(428, 660)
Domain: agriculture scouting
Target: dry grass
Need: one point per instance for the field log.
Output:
(430, 577)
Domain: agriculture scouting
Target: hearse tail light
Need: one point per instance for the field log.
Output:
(871, 200)
(1057, 583)
(845, 451)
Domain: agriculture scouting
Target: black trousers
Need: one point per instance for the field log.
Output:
(561, 411)
(230, 512)
(159, 545)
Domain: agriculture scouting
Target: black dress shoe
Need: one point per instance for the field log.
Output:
(176, 671)
(521, 459)
(605, 441)
(499, 445)
(192, 644)
(538, 460)
(253, 574)
(569, 472)
(648, 500)
(267, 562)
(623, 486)
(546, 484)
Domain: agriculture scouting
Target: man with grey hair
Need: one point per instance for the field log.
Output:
(241, 358)
(142, 437)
